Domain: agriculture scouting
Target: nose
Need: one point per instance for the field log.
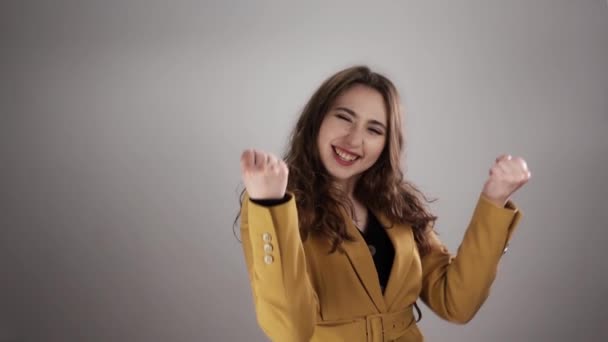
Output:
(354, 139)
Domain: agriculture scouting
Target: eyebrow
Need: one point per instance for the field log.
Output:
(351, 112)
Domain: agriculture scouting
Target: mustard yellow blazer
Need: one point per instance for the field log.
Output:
(303, 293)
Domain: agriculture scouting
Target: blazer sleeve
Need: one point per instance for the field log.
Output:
(285, 302)
(455, 287)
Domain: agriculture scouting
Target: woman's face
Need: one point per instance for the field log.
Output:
(353, 133)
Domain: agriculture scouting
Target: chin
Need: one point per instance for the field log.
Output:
(341, 175)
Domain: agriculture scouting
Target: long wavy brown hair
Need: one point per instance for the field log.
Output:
(382, 188)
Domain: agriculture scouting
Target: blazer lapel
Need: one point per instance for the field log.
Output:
(363, 264)
(403, 242)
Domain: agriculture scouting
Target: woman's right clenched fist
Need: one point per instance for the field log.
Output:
(264, 175)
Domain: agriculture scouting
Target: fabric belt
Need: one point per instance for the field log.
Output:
(388, 326)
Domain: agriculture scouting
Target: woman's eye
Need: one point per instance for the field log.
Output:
(343, 117)
(375, 131)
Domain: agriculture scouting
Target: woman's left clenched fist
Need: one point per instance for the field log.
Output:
(506, 176)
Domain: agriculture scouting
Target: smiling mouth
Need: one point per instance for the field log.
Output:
(345, 156)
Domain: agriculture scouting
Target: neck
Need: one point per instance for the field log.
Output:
(347, 186)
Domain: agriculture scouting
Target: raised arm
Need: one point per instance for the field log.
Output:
(455, 287)
(285, 302)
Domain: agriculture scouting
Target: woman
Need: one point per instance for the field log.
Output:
(339, 246)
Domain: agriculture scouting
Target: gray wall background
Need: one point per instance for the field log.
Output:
(123, 122)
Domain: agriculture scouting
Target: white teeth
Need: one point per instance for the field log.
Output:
(345, 156)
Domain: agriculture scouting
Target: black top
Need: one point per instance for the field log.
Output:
(380, 247)
(378, 242)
